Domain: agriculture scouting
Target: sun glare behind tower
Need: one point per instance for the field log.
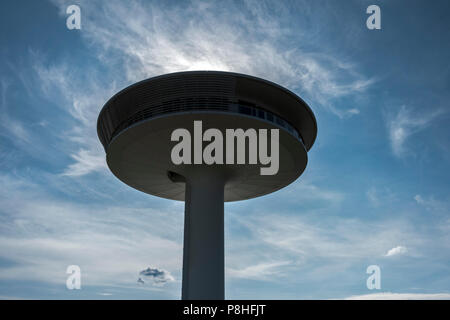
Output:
(135, 127)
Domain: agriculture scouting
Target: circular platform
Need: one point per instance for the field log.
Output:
(135, 127)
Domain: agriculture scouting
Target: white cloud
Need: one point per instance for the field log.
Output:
(401, 296)
(399, 250)
(404, 124)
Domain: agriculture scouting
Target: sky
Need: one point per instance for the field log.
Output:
(375, 192)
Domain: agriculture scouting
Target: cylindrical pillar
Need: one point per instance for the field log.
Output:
(203, 253)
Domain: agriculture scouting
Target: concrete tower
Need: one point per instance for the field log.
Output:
(136, 125)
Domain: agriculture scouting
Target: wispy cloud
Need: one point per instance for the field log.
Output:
(405, 123)
(247, 37)
(306, 192)
(310, 239)
(283, 244)
(86, 161)
(261, 271)
(379, 196)
(82, 99)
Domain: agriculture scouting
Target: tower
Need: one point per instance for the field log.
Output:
(136, 127)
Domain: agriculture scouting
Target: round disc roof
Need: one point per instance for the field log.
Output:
(135, 128)
(205, 90)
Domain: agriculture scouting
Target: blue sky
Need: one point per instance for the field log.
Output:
(375, 191)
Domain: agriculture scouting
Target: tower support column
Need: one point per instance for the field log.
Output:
(203, 252)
